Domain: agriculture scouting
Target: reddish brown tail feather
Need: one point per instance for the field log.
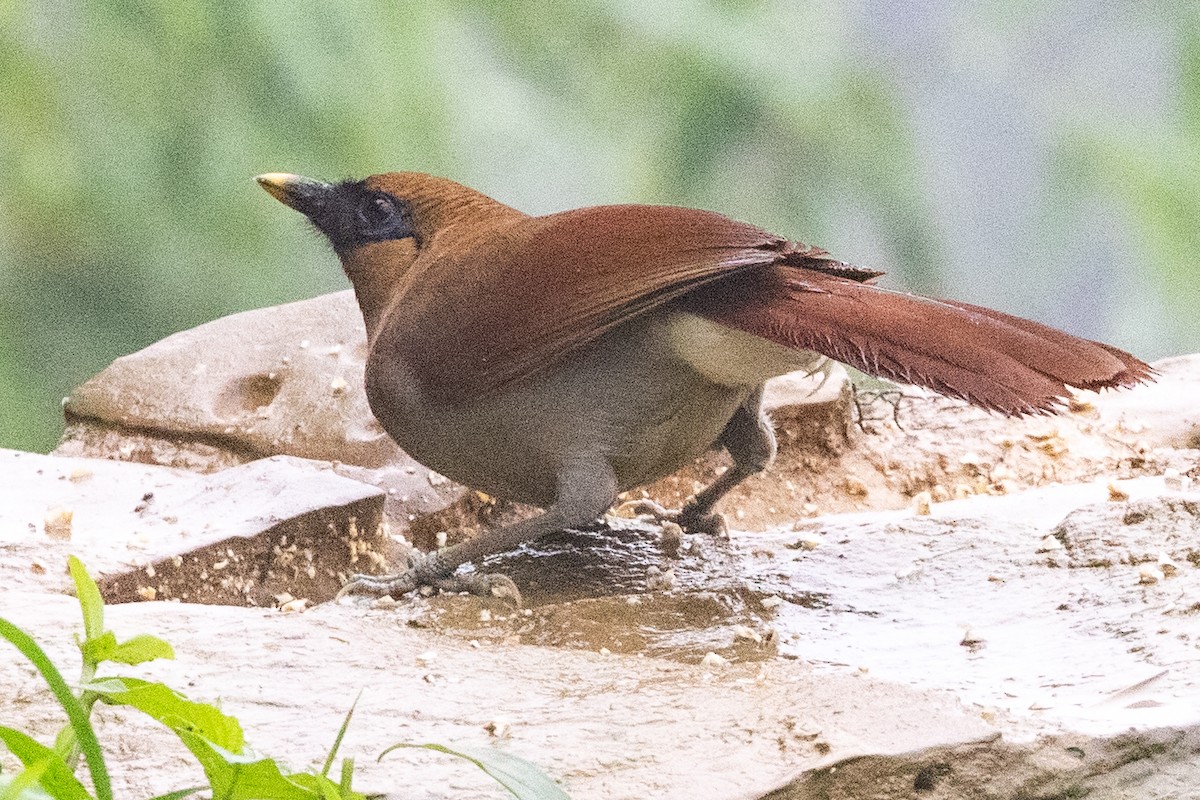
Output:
(993, 360)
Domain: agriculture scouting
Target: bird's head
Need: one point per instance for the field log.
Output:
(381, 225)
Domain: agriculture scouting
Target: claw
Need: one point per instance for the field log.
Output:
(422, 571)
(650, 508)
(379, 585)
(687, 517)
(500, 586)
(696, 522)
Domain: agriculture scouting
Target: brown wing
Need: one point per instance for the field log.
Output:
(991, 359)
(555, 283)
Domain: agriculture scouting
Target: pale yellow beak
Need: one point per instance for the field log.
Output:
(306, 195)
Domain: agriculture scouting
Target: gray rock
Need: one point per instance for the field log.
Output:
(285, 380)
(959, 653)
(242, 536)
(605, 726)
(1165, 413)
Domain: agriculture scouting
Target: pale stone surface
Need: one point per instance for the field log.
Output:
(914, 641)
(911, 441)
(1034, 606)
(1164, 414)
(285, 380)
(605, 726)
(239, 536)
(268, 381)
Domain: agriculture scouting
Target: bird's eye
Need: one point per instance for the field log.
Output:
(377, 212)
(373, 216)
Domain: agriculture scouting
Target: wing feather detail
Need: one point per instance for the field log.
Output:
(991, 359)
(553, 284)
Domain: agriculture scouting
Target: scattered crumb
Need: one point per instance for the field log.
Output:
(970, 640)
(807, 541)
(1176, 481)
(855, 488)
(747, 633)
(58, 523)
(1049, 544)
(1082, 401)
(659, 580)
(672, 537)
(497, 727)
(295, 606)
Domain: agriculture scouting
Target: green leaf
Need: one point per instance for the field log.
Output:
(327, 789)
(56, 777)
(524, 779)
(75, 711)
(172, 709)
(337, 742)
(25, 785)
(244, 777)
(331, 791)
(100, 648)
(179, 794)
(140, 649)
(90, 601)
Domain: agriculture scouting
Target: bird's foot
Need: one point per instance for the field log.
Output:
(483, 585)
(425, 571)
(690, 517)
(693, 520)
(395, 585)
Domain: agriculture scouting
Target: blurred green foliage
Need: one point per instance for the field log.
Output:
(130, 129)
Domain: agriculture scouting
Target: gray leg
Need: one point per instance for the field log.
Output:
(751, 442)
(585, 491)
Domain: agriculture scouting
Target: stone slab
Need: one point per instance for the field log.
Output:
(605, 726)
(284, 380)
(239, 536)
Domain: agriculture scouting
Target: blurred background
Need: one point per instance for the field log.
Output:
(1038, 156)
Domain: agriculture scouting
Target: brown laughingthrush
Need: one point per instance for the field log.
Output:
(559, 360)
